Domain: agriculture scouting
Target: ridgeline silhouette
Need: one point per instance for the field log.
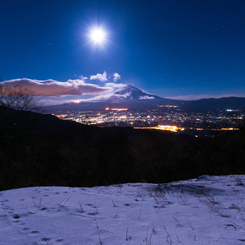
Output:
(41, 150)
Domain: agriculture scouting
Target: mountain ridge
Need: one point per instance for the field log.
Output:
(133, 98)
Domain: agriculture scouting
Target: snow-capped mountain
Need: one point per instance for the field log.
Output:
(126, 92)
(126, 96)
(131, 92)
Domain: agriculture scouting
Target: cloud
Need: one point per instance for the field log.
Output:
(83, 78)
(116, 77)
(115, 85)
(101, 77)
(55, 88)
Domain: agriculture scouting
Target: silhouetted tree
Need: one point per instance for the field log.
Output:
(18, 98)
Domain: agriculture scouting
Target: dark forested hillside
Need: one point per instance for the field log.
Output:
(37, 149)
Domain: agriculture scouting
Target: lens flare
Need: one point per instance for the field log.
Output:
(98, 36)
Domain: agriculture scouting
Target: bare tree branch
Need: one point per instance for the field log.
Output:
(18, 99)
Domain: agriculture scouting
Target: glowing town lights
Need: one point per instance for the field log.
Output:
(168, 106)
(61, 116)
(230, 110)
(229, 129)
(77, 101)
(116, 109)
(119, 109)
(168, 128)
(122, 117)
(163, 127)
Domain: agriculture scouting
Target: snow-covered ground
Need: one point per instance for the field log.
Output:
(207, 210)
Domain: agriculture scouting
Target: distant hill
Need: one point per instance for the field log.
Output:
(42, 150)
(215, 105)
(37, 149)
(136, 99)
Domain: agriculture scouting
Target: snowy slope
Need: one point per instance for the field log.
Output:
(131, 92)
(208, 210)
(127, 92)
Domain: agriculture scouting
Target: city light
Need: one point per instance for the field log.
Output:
(168, 106)
(168, 128)
(77, 101)
(116, 109)
(162, 127)
(119, 109)
(154, 120)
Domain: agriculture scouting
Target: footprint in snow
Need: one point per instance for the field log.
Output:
(5, 200)
(45, 239)
(59, 240)
(16, 216)
(162, 206)
(25, 229)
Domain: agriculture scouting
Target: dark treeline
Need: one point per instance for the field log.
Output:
(37, 149)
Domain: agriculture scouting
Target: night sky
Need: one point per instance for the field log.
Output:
(183, 49)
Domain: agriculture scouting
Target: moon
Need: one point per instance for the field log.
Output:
(98, 36)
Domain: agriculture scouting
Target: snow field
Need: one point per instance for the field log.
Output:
(207, 210)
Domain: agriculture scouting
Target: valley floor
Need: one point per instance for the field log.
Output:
(207, 210)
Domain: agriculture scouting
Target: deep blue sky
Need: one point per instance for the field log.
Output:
(169, 48)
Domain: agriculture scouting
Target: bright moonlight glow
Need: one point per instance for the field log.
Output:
(98, 36)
